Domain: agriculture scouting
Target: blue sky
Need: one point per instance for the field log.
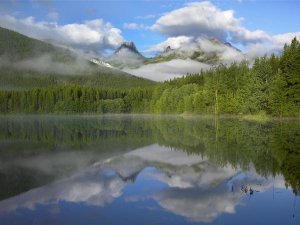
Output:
(135, 19)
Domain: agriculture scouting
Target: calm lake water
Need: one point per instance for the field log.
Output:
(148, 170)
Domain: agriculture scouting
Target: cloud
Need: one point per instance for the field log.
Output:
(225, 54)
(94, 35)
(149, 16)
(205, 19)
(185, 46)
(93, 187)
(52, 164)
(131, 26)
(134, 26)
(274, 45)
(281, 39)
(204, 203)
(168, 70)
(53, 16)
(196, 188)
(46, 64)
(162, 154)
(198, 205)
(173, 42)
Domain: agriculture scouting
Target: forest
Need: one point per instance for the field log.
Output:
(270, 86)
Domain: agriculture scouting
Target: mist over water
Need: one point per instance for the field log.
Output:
(148, 170)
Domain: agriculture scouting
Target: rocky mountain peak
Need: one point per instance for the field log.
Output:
(168, 49)
(231, 46)
(228, 44)
(128, 45)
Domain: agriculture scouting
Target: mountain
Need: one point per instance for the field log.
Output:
(192, 57)
(167, 50)
(100, 62)
(128, 47)
(231, 46)
(26, 62)
(126, 55)
(209, 51)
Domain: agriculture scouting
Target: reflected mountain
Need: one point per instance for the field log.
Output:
(196, 188)
(199, 169)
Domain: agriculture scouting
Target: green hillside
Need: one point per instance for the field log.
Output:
(26, 63)
(15, 46)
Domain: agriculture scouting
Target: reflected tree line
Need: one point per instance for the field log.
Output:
(273, 148)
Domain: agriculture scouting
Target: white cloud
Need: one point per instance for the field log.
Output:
(281, 39)
(74, 32)
(91, 188)
(91, 35)
(274, 45)
(196, 188)
(198, 205)
(131, 26)
(46, 64)
(186, 46)
(225, 53)
(54, 16)
(168, 70)
(189, 28)
(173, 42)
(205, 19)
(149, 16)
(134, 26)
(203, 203)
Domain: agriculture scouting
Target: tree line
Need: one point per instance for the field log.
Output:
(270, 86)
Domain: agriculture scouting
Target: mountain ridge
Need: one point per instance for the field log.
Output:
(134, 59)
(26, 63)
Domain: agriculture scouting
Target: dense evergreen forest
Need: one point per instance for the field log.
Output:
(270, 86)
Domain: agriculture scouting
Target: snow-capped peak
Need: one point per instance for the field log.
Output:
(100, 62)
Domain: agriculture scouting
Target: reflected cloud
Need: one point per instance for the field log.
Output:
(196, 204)
(204, 204)
(196, 188)
(92, 188)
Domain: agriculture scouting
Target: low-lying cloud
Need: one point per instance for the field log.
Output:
(45, 64)
(187, 45)
(274, 45)
(168, 70)
(173, 42)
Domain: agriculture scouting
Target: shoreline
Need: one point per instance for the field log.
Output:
(246, 117)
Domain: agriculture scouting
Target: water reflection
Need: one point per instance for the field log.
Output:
(188, 168)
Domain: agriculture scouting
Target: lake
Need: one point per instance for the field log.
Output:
(148, 170)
